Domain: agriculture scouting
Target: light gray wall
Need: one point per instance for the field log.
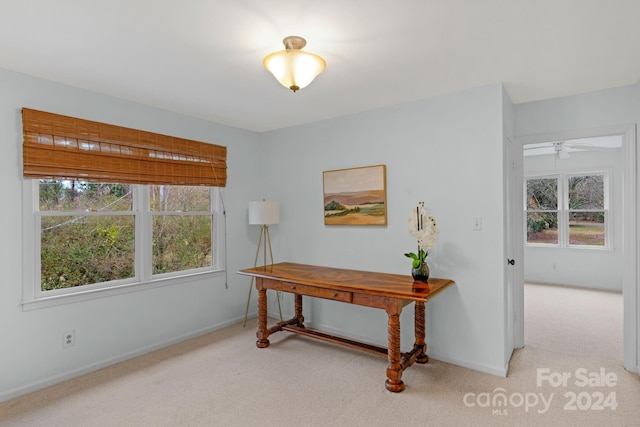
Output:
(592, 110)
(445, 151)
(114, 328)
(592, 268)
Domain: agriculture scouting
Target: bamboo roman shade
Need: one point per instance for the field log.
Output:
(58, 146)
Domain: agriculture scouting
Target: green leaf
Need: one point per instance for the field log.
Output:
(411, 255)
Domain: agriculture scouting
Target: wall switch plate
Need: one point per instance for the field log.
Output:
(477, 223)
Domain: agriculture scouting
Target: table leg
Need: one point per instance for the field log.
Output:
(298, 310)
(263, 332)
(420, 344)
(394, 371)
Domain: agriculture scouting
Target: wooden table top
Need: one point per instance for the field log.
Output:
(381, 284)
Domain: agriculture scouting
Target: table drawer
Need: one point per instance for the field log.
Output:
(312, 291)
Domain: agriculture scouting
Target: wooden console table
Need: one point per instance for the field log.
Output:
(390, 292)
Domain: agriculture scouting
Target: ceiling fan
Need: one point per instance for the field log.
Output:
(561, 149)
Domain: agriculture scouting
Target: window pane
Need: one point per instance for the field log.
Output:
(77, 250)
(178, 198)
(542, 194)
(586, 228)
(586, 192)
(66, 195)
(181, 242)
(542, 227)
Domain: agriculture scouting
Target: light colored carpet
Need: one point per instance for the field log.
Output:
(576, 322)
(222, 379)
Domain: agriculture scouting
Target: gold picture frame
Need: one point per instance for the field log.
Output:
(355, 196)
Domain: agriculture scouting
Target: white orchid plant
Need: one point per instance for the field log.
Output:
(423, 228)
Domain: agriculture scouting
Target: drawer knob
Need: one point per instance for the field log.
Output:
(335, 295)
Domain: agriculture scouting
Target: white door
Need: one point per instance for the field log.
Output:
(514, 262)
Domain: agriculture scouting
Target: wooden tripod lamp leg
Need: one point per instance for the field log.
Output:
(255, 263)
(267, 241)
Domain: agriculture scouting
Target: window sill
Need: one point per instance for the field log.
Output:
(56, 300)
(571, 247)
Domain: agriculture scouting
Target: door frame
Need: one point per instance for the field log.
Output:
(629, 228)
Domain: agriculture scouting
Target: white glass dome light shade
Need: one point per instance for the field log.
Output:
(292, 67)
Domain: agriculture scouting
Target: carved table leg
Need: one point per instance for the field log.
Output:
(298, 310)
(420, 333)
(263, 332)
(394, 371)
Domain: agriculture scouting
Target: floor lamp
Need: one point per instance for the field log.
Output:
(263, 213)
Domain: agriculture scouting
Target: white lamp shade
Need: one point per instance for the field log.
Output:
(264, 212)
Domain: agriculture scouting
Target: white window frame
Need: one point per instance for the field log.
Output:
(557, 177)
(563, 208)
(34, 298)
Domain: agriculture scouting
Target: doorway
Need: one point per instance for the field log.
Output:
(626, 222)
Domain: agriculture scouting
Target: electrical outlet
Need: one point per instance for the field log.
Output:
(68, 339)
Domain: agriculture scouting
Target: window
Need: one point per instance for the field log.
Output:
(182, 224)
(542, 210)
(586, 209)
(113, 209)
(568, 210)
(86, 234)
(95, 236)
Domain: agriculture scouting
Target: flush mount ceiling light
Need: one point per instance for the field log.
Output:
(292, 67)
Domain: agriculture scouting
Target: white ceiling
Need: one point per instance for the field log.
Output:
(204, 57)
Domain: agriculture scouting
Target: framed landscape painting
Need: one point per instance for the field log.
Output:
(356, 196)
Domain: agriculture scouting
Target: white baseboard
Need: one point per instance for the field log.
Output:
(493, 370)
(28, 388)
